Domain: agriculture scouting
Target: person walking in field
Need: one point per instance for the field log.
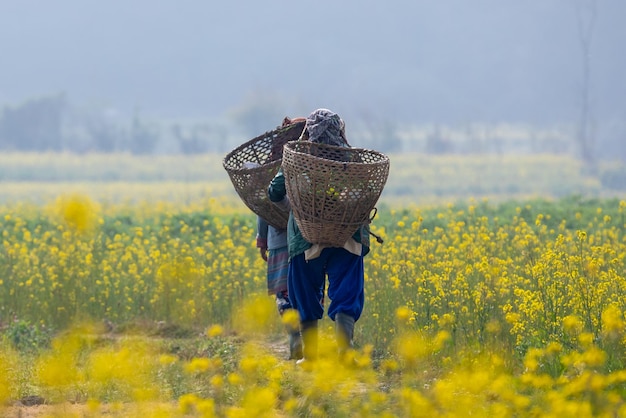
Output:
(272, 244)
(311, 264)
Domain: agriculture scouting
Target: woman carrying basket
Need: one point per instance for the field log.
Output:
(272, 245)
(310, 264)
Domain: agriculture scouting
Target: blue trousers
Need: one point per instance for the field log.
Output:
(306, 281)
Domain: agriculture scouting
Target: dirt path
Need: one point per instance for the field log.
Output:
(277, 345)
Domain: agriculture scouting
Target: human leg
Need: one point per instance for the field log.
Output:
(306, 287)
(346, 292)
(277, 273)
(344, 329)
(292, 324)
(345, 283)
(309, 331)
(277, 270)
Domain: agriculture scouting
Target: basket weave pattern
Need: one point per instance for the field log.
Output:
(332, 190)
(252, 165)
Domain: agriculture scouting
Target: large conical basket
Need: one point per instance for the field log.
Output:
(332, 189)
(252, 165)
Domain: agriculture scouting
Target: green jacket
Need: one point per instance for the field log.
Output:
(295, 241)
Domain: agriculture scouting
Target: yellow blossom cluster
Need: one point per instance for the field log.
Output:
(75, 261)
(471, 310)
(522, 281)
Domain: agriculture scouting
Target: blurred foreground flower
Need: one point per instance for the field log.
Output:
(77, 211)
(255, 315)
(403, 314)
(215, 331)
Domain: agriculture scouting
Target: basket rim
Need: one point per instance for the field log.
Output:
(291, 144)
(263, 167)
(277, 130)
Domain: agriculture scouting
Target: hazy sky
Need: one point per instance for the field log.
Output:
(409, 60)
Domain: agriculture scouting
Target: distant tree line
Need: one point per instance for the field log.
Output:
(33, 126)
(50, 123)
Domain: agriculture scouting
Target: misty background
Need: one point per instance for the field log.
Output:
(192, 76)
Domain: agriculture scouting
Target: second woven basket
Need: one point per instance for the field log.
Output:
(332, 190)
(252, 165)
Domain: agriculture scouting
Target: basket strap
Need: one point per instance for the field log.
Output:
(371, 218)
(378, 238)
(374, 215)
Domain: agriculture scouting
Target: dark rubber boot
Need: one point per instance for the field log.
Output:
(295, 345)
(295, 337)
(309, 340)
(344, 328)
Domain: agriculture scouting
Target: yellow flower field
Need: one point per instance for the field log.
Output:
(507, 310)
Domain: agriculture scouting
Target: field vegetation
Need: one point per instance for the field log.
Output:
(127, 303)
(414, 178)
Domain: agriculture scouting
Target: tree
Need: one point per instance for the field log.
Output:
(143, 140)
(104, 134)
(437, 142)
(260, 112)
(193, 140)
(586, 17)
(380, 133)
(34, 126)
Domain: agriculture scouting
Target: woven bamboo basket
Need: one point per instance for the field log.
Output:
(252, 165)
(332, 190)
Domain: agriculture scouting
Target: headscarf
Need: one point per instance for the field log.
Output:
(326, 127)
